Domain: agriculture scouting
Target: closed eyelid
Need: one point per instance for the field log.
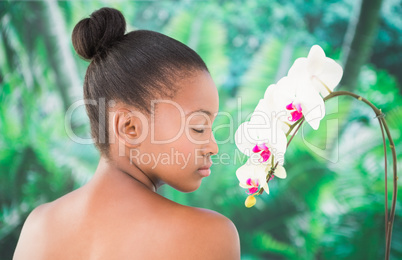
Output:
(200, 122)
(200, 126)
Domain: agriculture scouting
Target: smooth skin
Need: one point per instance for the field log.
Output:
(118, 214)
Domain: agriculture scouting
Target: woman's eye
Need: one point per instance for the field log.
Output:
(198, 130)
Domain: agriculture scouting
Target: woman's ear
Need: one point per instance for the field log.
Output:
(130, 127)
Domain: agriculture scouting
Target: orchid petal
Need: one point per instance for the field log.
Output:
(269, 92)
(252, 190)
(243, 173)
(252, 171)
(295, 116)
(290, 106)
(261, 171)
(331, 76)
(279, 145)
(298, 108)
(256, 149)
(243, 186)
(261, 116)
(284, 127)
(298, 69)
(265, 155)
(266, 188)
(313, 107)
(284, 97)
(244, 142)
(286, 88)
(318, 70)
(280, 172)
(273, 136)
(263, 147)
(316, 59)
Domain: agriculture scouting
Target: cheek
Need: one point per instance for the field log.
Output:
(176, 156)
(185, 151)
(167, 126)
(170, 134)
(166, 131)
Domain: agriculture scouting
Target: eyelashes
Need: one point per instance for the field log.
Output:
(200, 131)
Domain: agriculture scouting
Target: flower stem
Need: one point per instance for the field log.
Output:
(268, 177)
(389, 219)
(297, 129)
(294, 125)
(385, 177)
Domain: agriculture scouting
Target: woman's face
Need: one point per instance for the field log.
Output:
(180, 141)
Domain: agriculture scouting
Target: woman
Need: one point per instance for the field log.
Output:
(151, 103)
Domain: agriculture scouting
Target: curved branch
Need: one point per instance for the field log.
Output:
(383, 125)
(385, 178)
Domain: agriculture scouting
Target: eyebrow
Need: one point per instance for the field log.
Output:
(202, 111)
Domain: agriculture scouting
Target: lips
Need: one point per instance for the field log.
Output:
(205, 170)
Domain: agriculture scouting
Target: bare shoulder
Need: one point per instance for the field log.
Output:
(214, 220)
(43, 222)
(32, 230)
(214, 235)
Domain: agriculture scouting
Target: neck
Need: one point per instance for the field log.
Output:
(122, 173)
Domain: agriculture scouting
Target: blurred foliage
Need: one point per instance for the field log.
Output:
(331, 206)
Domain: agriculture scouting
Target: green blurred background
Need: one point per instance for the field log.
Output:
(331, 206)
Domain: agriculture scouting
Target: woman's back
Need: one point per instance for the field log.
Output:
(115, 217)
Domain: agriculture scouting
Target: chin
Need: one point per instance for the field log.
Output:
(190, 187)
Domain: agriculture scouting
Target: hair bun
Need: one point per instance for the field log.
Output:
(96, 34)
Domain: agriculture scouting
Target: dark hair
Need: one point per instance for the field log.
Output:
(132, 68)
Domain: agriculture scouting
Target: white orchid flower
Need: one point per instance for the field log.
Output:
(323, 73)
(298, 95)
(252, 176)
(291, 99)
(261, 136)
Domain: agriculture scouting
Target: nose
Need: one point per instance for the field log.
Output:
(212, 145)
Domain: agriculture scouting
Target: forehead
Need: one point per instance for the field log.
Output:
(198, 93)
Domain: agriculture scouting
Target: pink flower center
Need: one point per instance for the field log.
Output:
(296, 111)
(253, 186)
(263, 150)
